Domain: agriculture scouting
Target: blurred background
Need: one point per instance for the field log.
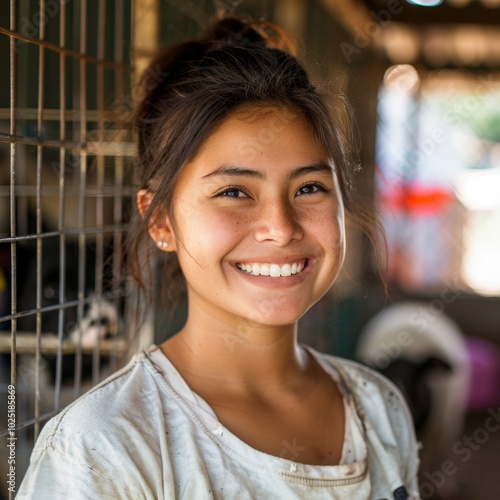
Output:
(424, 83)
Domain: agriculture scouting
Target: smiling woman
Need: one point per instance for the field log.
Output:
(285, 212)
(245, 178)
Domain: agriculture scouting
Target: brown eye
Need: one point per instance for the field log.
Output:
(310, 189)
(233, 192)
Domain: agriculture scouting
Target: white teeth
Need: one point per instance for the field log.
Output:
(286, 270)
(273, 270)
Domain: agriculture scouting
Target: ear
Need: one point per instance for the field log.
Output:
(160, 228)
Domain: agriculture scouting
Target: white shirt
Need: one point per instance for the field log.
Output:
(143, 434)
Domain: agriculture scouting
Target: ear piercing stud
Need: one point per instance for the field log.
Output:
(162, 244)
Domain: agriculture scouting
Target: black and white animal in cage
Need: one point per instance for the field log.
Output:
(100, 318)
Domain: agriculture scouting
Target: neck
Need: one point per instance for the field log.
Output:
(237, 352)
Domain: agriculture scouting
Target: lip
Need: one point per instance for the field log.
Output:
(289, 259)
(279, 282)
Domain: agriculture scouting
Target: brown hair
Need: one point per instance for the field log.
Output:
(189, 89)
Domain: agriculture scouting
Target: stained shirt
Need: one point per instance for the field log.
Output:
(144, 434)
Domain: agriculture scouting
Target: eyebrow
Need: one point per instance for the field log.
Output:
(234, 171)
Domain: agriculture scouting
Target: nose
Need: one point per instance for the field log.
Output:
(278, 222)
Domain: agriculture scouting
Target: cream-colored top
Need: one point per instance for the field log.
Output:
(143, 434)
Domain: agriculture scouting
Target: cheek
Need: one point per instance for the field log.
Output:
(208, 230)
(329, 225)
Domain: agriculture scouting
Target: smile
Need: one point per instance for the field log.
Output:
(273, 270)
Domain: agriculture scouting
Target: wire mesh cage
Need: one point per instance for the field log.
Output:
(65, 193)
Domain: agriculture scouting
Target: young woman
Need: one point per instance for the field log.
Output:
(245, 179)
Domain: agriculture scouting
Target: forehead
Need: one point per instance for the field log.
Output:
(258, 138)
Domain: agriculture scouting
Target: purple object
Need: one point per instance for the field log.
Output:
(484, 358)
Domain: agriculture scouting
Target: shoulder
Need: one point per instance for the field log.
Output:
(365, 379)
(114, 422)
(108, 409)
(380, 403)
(362, 380)
(383, 411)
(114, 426)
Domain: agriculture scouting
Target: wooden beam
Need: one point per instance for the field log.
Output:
(291, 15)
(352, 14)
(26, 344)
(145, 33)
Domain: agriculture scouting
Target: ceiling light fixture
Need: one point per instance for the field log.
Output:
(426, 3)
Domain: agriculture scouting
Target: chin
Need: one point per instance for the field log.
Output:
(275, 317)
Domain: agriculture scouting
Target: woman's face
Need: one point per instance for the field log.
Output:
(259, 220)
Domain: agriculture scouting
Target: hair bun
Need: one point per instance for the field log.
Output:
(235, 31)
(175, 65)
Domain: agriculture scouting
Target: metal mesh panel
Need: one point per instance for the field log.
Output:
(64, 193)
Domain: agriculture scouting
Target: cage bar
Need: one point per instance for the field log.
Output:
(67, 193)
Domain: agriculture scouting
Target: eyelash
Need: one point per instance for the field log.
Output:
(320, 188)
(229, 189)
